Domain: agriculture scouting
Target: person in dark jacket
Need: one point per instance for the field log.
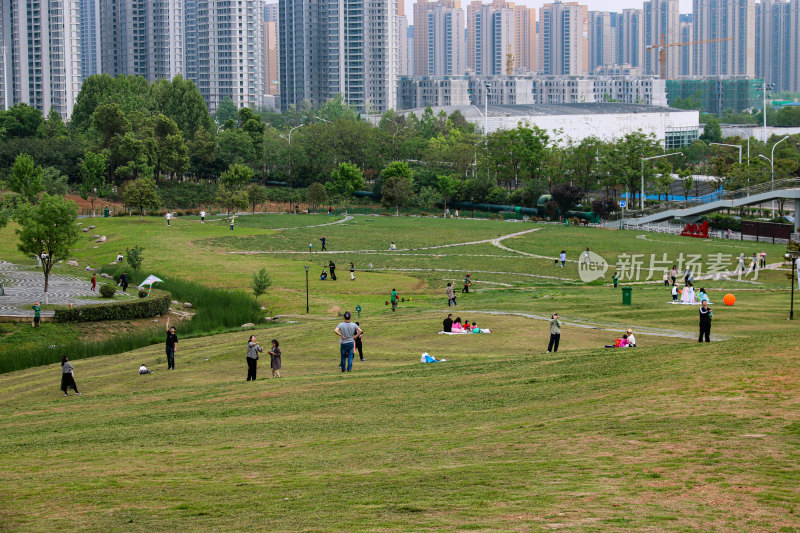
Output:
(332, 268)
(67, 377)
(253, 349)
(555, 333)
(275, 359)
(123, 280)
(172, 340)
(705, 321)
(447, 323)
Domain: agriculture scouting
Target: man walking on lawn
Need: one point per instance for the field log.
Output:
(172, 340)
(394, 299)
(347, 331)
(451, 296)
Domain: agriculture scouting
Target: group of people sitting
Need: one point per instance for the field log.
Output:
(687, 295)
(457, 326)
(626, 341)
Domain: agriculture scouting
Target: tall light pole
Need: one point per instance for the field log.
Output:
(772, 169)
(648, 159)
(486, 128)
(792, 255)
(732, 146)
(748, 143)
(306, 267)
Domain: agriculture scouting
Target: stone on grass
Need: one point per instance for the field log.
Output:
(113, 263)
(85, 230)
(187, 305)
(102, 239)
(248, 325)
(95, 236)
(107, 276)
(175, 302)
(72, 263)
(92, 227)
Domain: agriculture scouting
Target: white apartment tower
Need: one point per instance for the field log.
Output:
(603, 39)
(631, 37)
(495, 38)
(229, 52)
(89, 16)
(733, 20)
(563, 47)
(778, 43)
(347, 47)
(40, 54)
(143, 38)
(446, 42)
(662, 22)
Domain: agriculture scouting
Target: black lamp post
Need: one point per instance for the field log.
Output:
(306, 267)
(792, 255)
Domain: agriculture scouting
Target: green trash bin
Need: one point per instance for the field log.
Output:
(105, 212)
(626, 295)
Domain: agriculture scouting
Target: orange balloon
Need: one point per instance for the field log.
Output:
(729, 299)
(680, 291)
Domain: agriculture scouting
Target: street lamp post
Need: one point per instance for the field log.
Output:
(306, 267)
(772, 168)
(746, 134)
(732, 146)
(792, 254)
(648, 159)
(486, 128)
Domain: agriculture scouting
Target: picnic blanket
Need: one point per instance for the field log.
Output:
(463, 332)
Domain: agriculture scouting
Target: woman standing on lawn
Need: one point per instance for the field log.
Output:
(275, 359)
(555, 333)
(252, 357)
(67, 377)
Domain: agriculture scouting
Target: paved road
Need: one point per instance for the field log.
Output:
(23, 287)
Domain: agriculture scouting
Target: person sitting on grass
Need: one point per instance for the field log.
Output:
(144, 370)
(702, 295)
(631, 339)
(475, 328)
(620, 343)
(457, 327)
(393, 246)
(324, 275)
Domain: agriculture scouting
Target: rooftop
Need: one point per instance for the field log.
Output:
(532, 110)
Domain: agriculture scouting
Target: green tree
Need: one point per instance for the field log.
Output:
(110, 121)
(135, 257)
(232, 199)
(316, 195)
(621, 163)
(256, 195)
(21, 120)
(428, 197)
(236, 177)
(397, 188)
(712, 132)
(566, 196)
(93, 173)
(180, 100)
(54, 182)
(261, 282)
(448, 186)
(130, 93)
(48, 231)
(226, 110)
(53, 127)
(171, 154)
(26, 178)
(345, 180)
(142, 194)
(687, 182)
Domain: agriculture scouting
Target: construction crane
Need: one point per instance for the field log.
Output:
(662, 51)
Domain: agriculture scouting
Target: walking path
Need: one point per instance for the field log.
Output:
(23, 287)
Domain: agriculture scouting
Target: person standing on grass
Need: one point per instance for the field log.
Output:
(310, 246)
(347, 331)
(275, 359)
(763, 262)
(169, 217)
(615, 279)
(467, 283)
(332, 269)
(447, 324)
(202, 217)
(323, 243)
(67, 377)
(586, 255)
(705, 321)
(232, 220)
(94, 282)
(394, 299)
(562, 257)
(123, 280)
(666, 278)
(673, 274)
(352, 271)
(37, 314)
(555, 333)
(253, 350)
(359, 345)
(172, 340)
(451, 295)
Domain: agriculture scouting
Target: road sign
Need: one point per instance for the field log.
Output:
(622, 203)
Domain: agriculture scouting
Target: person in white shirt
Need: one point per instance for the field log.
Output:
(202, 217)
(169, 217)
(631, 339)
(144, 370)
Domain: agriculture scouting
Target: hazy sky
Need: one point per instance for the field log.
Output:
(594, 5)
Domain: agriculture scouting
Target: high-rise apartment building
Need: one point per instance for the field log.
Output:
(347, 47)
(271, 12)
(446, 43)
(661, 23)
(40, 51)
(563, 45)
(402, 43)
(631, 38)
(89, 17)
(229, 51)
(143, 38)
(732, 20)
(686, 31)
(603, 39)
(270, 47)
(501, 37)
(777, 43)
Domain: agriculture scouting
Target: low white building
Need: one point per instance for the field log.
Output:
(673, 127)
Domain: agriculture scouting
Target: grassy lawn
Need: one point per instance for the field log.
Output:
(670, 436)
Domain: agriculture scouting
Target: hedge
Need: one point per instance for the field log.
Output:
(156, 304)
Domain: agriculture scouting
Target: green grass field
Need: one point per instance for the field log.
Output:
(670, 436)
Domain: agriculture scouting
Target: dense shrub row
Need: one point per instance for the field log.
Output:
(155, 304)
